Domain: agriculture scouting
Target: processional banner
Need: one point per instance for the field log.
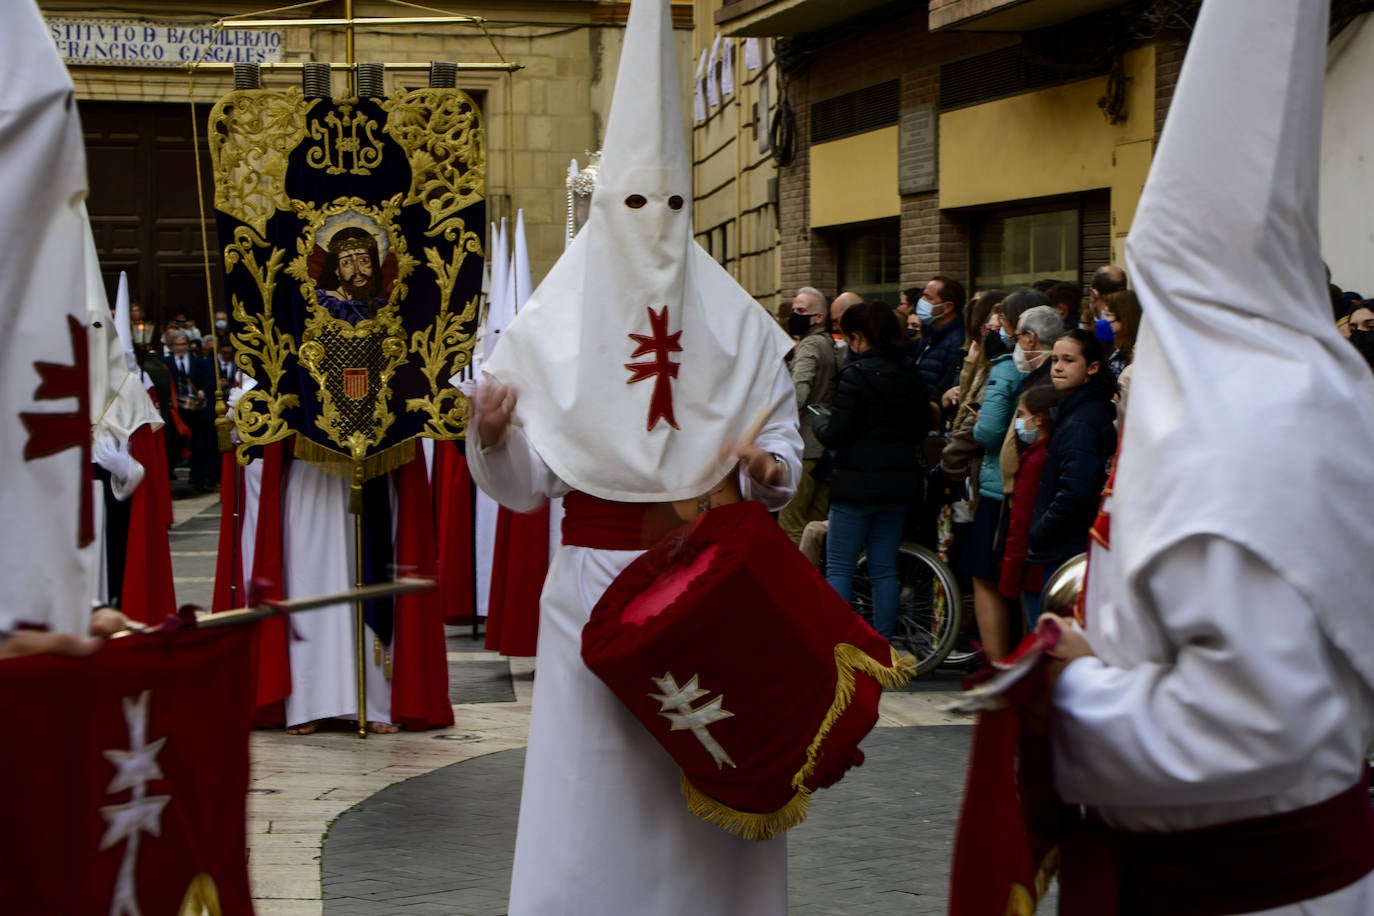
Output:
(130, 792)
(351, 238)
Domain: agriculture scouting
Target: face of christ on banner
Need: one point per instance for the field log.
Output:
(351, 283)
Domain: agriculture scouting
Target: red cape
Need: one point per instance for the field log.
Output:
(271, 665)
(147, 585)
(453, 521)
(419, 689)
(519, 563)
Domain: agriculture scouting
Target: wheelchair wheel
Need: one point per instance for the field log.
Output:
(930, 608)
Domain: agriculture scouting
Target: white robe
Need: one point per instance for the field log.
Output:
(604, 828)
(1214, 698)
(317, 548)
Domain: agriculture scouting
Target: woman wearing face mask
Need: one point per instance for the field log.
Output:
(981, 319)
(879, 418)
(1077, 459)
(962, 454)
(1361, 327)
(980, 556)
(1117, 329)
(1033, 426)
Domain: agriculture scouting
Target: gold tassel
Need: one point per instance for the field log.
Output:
(747, 825)
(341, 464)
(376, 651)
(848, 659)
(387, 661)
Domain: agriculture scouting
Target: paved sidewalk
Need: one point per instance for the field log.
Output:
(440, 845)
(420, 808)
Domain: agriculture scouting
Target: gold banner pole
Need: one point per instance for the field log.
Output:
(360, 623)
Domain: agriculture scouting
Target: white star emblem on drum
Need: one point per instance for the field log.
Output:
(677, 709)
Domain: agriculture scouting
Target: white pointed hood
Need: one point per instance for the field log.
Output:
(46, 498)
(119, 400)
(499, 312)
(520, 265)
(122, 324)
(1251, 418)
(638, 361)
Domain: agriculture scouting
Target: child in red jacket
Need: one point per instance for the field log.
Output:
(1033, 428)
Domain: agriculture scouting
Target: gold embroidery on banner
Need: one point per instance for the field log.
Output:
(441, 132)
(340, 148)
(329, 345)
(252, 134)
(348, 326)
(258, 414)
(445, 348)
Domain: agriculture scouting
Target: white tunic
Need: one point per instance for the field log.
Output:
(317, 548)
(1214, 698)
(604, 828)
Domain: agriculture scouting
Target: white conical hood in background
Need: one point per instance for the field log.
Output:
(119, 401)
(499, 312)
(123, 327)
(520, 265)
(638, 361)
(1250, 417)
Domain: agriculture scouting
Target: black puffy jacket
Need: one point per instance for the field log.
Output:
(1075, 471)
(876, 425)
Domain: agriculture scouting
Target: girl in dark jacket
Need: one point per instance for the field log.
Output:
(1084, 441)
(880, 416)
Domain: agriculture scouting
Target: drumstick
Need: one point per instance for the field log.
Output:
(752, 432)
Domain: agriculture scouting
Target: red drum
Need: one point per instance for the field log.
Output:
(743, 663)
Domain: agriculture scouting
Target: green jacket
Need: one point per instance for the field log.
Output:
(814, 368)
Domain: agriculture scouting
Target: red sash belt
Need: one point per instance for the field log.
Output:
(1241, 867)
(589, 521)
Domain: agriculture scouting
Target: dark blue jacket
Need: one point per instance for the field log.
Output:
(941, 356)
(1075, 471)
(876, 425)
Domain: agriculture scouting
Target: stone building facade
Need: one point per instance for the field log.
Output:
(137, 114)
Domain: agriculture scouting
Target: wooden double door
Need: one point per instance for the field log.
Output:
(143, 205)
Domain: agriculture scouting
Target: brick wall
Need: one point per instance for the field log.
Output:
(896, 46)
(1169, 54)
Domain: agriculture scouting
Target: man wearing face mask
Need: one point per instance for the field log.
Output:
(940, 309)
(815, 363)
(1106, 279)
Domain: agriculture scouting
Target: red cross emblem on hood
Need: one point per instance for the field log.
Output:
(660, 343)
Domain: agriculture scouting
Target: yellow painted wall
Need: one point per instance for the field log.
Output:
(1055, 141)
(855, 179)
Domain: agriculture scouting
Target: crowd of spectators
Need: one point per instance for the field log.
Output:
(1002, 412)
